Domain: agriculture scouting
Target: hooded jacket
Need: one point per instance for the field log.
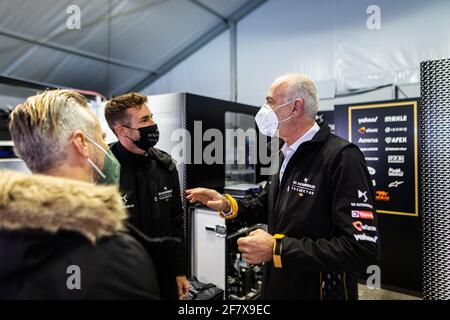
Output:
(63, 239)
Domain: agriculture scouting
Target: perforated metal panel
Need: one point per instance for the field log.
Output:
(435, 173)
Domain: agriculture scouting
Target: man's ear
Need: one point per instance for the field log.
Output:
(299, 106)
(80, 143)
(119, 131)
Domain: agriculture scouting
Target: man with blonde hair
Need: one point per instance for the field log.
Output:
(61, 235)
(318, 205)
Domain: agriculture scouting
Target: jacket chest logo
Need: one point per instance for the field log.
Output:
(126, 204)
(166, 194)
(302, 187)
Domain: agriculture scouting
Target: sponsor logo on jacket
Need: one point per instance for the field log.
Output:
(165, 195)
(365, 237)
(125, 202)
(302, 187)
(362, 195)
(363, 227)
(359, 214)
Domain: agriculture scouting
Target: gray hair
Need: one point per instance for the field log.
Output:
(42, 126)
(300, 86)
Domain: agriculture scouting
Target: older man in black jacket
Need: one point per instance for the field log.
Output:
(62, 236)
(318, 205)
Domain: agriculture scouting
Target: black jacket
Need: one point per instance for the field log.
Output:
(150, 189)
(54, 232)
(325, 187)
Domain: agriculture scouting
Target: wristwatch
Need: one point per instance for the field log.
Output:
(277, 248)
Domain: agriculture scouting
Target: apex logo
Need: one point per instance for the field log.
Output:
(390, 140)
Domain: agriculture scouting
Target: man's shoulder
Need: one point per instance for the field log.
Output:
(163, 157)
(337, 146)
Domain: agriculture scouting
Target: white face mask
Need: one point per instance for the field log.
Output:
(267, 121)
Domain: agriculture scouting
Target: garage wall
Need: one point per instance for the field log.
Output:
(326, 39)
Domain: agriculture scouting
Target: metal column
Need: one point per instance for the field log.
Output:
(233, 62)
(435, 173)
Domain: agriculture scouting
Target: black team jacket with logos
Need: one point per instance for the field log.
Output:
(151, 192)
(324, 208)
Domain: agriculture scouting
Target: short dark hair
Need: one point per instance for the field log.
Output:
(115, 110)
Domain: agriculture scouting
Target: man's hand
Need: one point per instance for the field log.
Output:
(257, 247)
(210, 198)
(183, 287)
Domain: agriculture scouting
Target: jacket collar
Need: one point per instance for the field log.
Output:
(51, 204)
(323, 133)
(126, 156)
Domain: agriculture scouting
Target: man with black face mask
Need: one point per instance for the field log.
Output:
(149, 184)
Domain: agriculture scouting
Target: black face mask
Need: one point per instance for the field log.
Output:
(149, 136)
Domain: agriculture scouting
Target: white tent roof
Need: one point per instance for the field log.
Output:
(122, 45)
